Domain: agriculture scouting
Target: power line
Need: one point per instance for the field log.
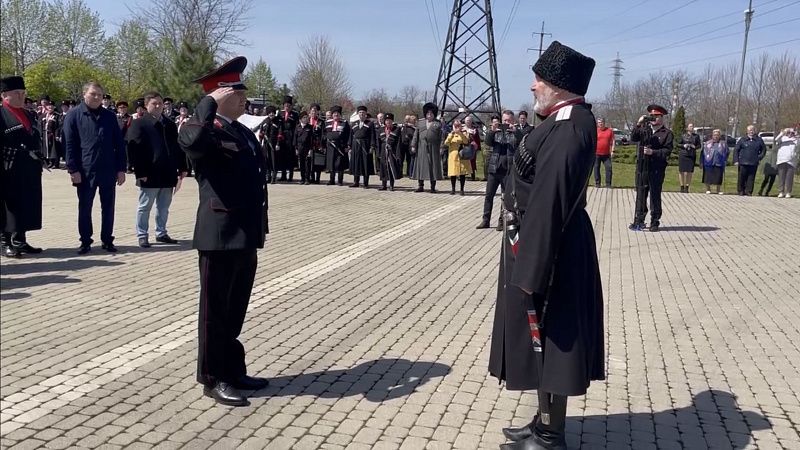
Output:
(708, 58)
(511, 15)
(646, 22)
(436, 20)
(685, 42)
(436, 37)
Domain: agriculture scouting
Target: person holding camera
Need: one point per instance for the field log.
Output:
(502, 138)
(787, 157)
(458, 167)
(654, 147)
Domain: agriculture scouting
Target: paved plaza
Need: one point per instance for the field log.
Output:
(372, 314)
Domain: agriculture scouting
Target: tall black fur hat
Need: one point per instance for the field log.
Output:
(429, 107)
(565, 68)
(11, 83)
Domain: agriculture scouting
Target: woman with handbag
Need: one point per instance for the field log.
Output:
(460, 151)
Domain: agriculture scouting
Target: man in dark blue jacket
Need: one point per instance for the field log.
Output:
(748, 153)
(95, 161)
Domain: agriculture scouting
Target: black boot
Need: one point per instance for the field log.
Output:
(9, 250)
(548, 435)
(522, 433)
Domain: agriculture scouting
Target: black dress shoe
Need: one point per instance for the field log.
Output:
(331, 183)
(250, 383)
(382, 188)
(482, 225)
(420, 189)
(355, 185)
(11, 252)
(519, 434)
(499, 226)
(144, 243)
(165, 239)
(26, 248)
(536, 442)
(654, 227)
(225, 394)
(84, 249)
(110, 247)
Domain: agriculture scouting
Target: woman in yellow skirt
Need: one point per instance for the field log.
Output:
(457, 167)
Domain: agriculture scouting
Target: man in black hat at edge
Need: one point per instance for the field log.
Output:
(231, 225)
(655, 142)
(20, 170)
(548, 324)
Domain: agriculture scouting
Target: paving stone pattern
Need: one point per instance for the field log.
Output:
(371, 316)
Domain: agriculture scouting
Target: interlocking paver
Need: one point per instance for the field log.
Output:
(361, 354)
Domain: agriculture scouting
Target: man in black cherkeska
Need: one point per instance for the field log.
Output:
(362, 146)
(20, 170)
(337, 138)
(548, 324)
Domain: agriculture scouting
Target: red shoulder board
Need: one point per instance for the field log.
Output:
(217, 123)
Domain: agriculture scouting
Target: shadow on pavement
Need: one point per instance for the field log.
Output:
(13, 296)
(688, 228)
(21, 283)
(714, 420)
(25, 268)
(378, 380)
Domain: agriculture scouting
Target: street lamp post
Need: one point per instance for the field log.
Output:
(748, 17)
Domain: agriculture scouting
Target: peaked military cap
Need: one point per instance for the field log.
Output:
(657, 109)
(228, 74)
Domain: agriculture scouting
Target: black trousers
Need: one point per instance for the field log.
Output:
(304, 164)
(606, 161)
(747, 178)
(86, 194)
(226, 281)
(335, 176)
(494, 180)
(655, 181)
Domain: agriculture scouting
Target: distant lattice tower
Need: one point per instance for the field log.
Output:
(468, 59)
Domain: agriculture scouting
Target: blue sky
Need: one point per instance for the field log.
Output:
(391, 44)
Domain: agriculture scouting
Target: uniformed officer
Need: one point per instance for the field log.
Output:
(20, 169)
(655, 143)
(231, 225)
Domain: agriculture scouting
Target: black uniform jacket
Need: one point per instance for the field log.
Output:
(660, 141)
(229, 165)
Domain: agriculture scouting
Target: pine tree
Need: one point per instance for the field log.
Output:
(260, 82)
(679, 123)
(191, 62)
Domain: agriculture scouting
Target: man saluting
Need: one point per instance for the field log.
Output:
(231, 225)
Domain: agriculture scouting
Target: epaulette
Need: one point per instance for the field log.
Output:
(564, 113)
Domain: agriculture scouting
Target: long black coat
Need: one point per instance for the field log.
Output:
(229, 167)
(318, 143)
(362, 145)
(389, 163)
(552, 245)
(154, 152)
(285, 157)
(336, 141)
(21, 174)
